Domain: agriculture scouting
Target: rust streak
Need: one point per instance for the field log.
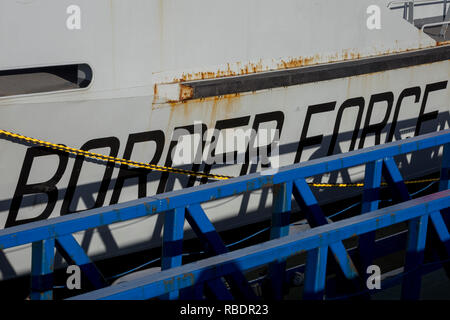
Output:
(239, 69)
(442, 43)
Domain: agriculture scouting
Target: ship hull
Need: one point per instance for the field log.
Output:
(315, 117)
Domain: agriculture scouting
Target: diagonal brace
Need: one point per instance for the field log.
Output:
(214, 245)
(72, 252)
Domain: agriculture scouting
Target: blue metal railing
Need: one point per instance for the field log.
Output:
(186, 204)
(315, 241)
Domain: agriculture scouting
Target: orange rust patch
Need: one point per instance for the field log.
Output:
(298, 62)
(442, 43)
(186, 92)
(239, 69)
(228, 72)
(255, 67)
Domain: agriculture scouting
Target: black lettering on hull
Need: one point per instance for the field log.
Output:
(47, 187)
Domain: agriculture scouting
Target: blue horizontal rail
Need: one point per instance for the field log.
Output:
(244, 259)
(289, 182)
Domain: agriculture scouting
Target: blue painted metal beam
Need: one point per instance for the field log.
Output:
(370, 201)
(172, 249)
(315, 216)
(72, 252)
(281, 213)
(42, 263)
(414, 258)
(315, 274)
(441, 237)
(444, 182)
(383, 247)
(94, 218)
(214, 245)
(395, 180)
(212, 268)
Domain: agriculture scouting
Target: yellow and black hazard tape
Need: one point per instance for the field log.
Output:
(111, 159)
(154, 167)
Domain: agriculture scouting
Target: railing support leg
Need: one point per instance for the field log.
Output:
(444, 183)
(315, 274)
(441, 239)
(173, 243)
(414, 258)
(282, 195)
(42, 263)
(315, 216)
(371, 196)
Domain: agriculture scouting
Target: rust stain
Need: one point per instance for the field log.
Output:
(190, 276)
(239, 69)
(442, 43)
(299, 62)
(213, 115)
(227, 72)
(255, 67)
(168, 284)
(185, 92)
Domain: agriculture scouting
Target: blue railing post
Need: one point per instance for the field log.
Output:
(42, 263)
(441, 240)
(370, 200)
(282, 195)
(417, 235)
(281, 212)
(444, 183)
(315, 273)
(173, 242)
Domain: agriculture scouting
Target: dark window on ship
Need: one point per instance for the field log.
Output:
(44, 79)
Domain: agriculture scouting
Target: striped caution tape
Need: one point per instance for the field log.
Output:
(154, 167)
(106, 158)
